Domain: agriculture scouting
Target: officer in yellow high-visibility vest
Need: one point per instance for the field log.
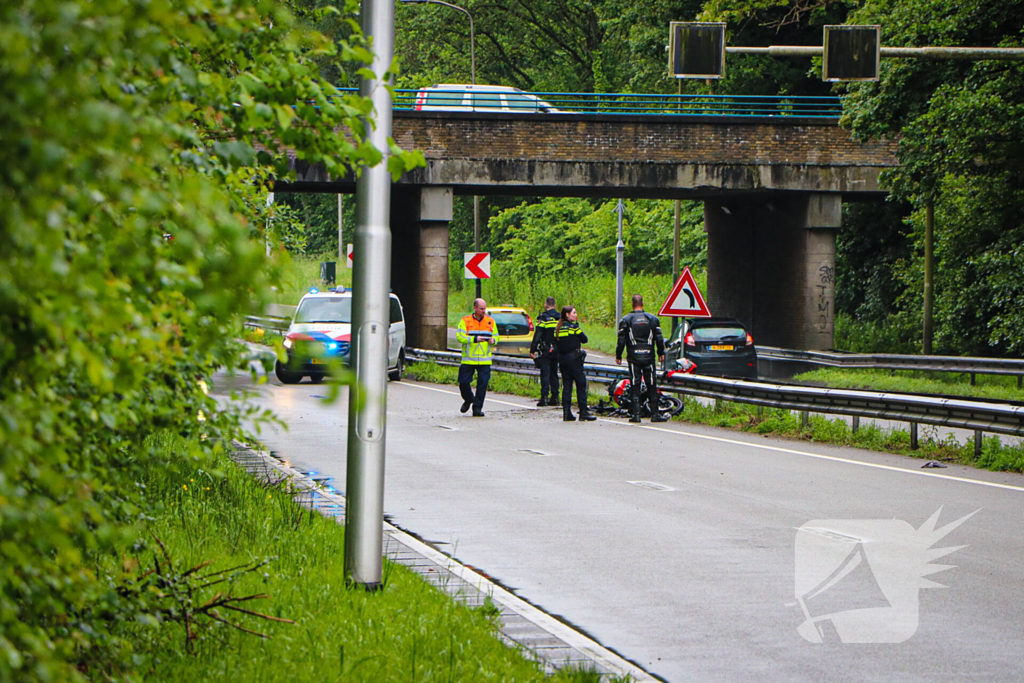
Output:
(478, 334)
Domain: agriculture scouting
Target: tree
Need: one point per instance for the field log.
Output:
(132, 236)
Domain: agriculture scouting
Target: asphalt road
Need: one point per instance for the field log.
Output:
(676, 545)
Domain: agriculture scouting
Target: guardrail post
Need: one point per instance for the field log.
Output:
(856, 424)
(1019, 378)
(977, 444)
(913, 436)
(804, 418)
(760, 413)
(972, 379)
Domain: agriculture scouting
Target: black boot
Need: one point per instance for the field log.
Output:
(658, 417)
(587, 416)
(567, 414)
(543, 402)
(635, 417)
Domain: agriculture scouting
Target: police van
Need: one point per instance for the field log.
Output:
(321, 332)
(480, 98)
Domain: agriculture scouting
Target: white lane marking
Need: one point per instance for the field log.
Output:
(819, 456)
(950, 477)
(455, 393)
(654, 486)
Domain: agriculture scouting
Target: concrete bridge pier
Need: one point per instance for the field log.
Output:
(771, 265)
(419, 261)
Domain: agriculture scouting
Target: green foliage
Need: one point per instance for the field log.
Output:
(961, 137)
(996, 387)
(557, 236)
(208, 510)
(133, 225)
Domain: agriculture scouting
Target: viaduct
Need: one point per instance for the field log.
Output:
(772, 188)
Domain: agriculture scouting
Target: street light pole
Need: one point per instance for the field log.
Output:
(472, 75)
(620, 250)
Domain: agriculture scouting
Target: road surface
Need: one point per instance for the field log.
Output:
(676, 545)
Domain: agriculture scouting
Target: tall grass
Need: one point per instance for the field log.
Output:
(299, 273)
(1001, 387)
(409, 631)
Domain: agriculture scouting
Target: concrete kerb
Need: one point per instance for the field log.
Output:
(539, 635)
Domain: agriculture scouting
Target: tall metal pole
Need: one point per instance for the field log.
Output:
(476, 236)
(620, 250)
(364, 485)
(675, 257)
(929, 239)
(341, 236)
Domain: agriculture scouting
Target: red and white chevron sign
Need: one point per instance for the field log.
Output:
(478, 264)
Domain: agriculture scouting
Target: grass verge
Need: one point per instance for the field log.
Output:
(214, 512)
(995, 454)
(1000, 387)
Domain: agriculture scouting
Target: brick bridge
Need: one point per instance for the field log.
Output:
(772, 188)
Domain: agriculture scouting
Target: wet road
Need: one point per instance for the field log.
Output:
(677, 546)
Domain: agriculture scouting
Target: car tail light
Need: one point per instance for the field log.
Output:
(688, 339)
(529, 320)
(750, 340)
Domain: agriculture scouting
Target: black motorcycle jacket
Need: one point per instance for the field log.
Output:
(640, 336)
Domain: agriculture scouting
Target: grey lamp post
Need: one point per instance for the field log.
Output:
(620, 250)
(472, 75)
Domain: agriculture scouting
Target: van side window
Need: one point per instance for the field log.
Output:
(444, 98)
(487, 100)
(396, 312)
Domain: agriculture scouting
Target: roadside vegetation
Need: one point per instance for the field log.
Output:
(999, 387)
(775, 422)
(209, 514)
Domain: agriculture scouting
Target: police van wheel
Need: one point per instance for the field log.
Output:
(285, 375)
(316, 378)
(396, 374)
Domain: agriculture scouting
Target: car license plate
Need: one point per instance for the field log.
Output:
(317, 361)
(721, 347)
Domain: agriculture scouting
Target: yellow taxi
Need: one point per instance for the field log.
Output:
(515, 327)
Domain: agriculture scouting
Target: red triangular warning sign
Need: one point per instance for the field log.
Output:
(685, 301)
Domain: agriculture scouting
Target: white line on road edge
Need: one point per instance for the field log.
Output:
(823, 457)
(599, 654)
(677, 432)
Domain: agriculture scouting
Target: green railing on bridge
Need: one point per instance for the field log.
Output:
(823, 107)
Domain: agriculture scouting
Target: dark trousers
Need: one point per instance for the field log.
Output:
(644, 371)
(548, 365)
(483, 376)
(572, 372)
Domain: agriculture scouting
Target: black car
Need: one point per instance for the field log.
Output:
(721, 347)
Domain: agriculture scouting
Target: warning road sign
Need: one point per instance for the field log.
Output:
(685, 301)
(478, 264)
(349, 259)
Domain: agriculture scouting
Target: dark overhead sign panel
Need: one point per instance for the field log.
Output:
(696, 50)
(851, 53)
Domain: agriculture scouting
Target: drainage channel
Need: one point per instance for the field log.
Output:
(547, 640)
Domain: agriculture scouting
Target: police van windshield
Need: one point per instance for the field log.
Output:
(335, 309)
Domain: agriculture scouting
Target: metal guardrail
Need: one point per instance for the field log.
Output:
(998, 417)
(824, 107)
(892, 361)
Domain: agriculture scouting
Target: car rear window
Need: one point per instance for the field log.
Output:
(712, 333)
(335, 309)
(521, 102)
(512, 324)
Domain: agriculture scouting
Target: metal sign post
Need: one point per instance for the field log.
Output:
(364, 486)
(620, 251)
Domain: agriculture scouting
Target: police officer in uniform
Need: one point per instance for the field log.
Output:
(640, 335)
(569, 339)
(542, 350)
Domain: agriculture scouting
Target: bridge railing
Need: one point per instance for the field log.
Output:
(641, 103)
(999, 417)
